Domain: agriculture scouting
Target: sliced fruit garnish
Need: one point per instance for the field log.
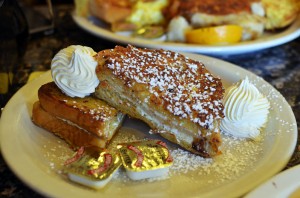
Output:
(217, 35)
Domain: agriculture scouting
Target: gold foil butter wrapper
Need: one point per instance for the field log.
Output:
(145, 159)
(92, 168)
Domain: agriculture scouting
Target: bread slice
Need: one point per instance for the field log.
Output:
(176, 96)
(70, 117)
(110, 11)
(72, 134)
(280, 14)
(245, 13)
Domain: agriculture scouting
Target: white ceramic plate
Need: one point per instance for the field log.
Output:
(36, 156)
(285, 184)
(97, 28)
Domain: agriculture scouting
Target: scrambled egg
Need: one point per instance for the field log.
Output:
(280, 13)
(147, 13)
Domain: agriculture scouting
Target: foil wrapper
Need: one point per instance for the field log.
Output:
(145, 159)
(91, 167)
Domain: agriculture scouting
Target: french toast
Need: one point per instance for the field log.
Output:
(110, 11)
(70, 117)
(208, 13)
(176, 96)
(281, 13)
(271, 14)
(72, 134)
(255, 16)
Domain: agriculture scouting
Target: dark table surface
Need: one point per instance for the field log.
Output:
(280, 66)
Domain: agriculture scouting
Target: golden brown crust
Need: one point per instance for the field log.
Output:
(277, 14)
(180, 86)
(73, 135)
(110, 11)
(187, 8)
(170, 92)
(89, 113)
(281, 13)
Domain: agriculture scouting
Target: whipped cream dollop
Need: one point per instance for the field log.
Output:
(246, 110)
(73, 70)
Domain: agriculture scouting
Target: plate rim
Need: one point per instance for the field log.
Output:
(278, 183)
(22, 176)
(290, 33)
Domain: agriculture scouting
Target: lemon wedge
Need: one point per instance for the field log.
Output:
(217, 35)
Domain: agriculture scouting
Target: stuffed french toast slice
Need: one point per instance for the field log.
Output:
(176, 96)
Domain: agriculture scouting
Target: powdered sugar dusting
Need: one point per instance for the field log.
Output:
(237, 157)
(98, 111)
(182, 86)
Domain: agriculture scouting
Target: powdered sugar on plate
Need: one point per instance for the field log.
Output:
(238, 157)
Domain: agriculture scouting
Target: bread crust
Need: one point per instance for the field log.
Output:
(89, 113)
(277, 14)
(110, 11)
(73, 135)
(167, 91)
(187, 8)
(281, 13)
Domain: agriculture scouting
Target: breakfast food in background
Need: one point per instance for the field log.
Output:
(279, 14)
(81, 8)
(129, 15)
(213, 13)
(110, 11)
(174, 20)
(246, 110)
(254, 16)
(84, 121)
(176, 96)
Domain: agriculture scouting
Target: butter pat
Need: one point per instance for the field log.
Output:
(145, 159)
(92, 168)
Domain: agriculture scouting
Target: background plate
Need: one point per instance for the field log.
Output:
(36, 156)
(285, 184)
(97, 28)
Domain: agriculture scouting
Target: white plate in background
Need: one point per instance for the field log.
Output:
(97, 28)
(285, 184)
